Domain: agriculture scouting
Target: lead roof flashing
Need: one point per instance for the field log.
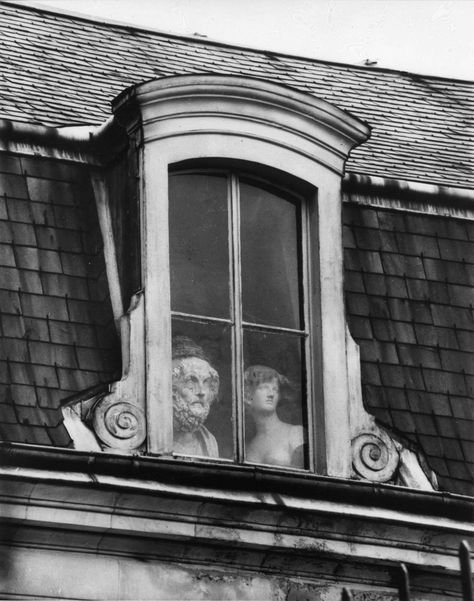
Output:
(96, 145)
(405, 195)
(90, 144)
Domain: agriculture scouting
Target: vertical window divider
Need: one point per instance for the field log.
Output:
(236, 306)
(308, 327)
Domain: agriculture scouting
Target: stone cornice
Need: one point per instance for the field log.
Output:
(153, 511)
(272, 97)
(187, 105)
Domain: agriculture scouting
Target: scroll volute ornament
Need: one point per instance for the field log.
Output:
(119, 424)
(374, 456)
(118, 417)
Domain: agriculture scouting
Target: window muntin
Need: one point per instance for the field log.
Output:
(255, 338)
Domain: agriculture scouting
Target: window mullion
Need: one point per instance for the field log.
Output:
(236, 307)
(309, 327)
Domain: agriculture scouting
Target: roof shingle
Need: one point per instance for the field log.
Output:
(58, 337)
(422, 127)
(415, 327)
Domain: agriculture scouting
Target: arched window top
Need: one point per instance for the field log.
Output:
(185, 104)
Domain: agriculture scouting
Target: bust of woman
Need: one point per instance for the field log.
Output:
(275, 442)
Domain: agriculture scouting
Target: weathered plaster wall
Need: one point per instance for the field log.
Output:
(53, 574)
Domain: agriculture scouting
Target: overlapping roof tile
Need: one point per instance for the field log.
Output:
(409, 299)
(58, 336)
(59, 69)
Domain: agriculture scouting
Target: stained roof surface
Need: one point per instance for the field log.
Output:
(58, 69)
(409, 295)
(57, 330)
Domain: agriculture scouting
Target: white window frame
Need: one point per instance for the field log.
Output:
(240, 119)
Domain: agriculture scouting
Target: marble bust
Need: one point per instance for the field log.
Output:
(275, 442)
(195, 388)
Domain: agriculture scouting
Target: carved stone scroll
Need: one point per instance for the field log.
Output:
(116, 418)
(374, 456)
(377, 456)
(119, 424)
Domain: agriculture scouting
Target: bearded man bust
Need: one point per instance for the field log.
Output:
(195, 388)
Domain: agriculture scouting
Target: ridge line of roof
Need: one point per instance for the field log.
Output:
(103, 21)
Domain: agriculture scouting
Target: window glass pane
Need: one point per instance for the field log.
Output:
(202, 389)
(275, 424)
(199, 254)
(270, 265)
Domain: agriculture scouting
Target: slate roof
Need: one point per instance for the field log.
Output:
(57, 331)
(409, 297)
(58, 70)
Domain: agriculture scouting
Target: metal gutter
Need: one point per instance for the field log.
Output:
(227, 476)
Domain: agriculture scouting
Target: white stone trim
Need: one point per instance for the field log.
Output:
(102, 200)
(98, 503)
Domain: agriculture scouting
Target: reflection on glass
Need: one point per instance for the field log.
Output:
(274, 430)
(270, 266)
(202, 389)
(199, 254)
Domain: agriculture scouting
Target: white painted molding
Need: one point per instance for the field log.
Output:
(411, 473)
(82, 437)
(240, 106)
(102, 200)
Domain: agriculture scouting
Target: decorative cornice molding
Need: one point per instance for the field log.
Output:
(190, 105)
(205, 89)
(153, 510)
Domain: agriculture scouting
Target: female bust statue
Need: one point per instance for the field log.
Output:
(275, 442)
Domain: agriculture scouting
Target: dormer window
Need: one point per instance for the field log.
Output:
(236, 349)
